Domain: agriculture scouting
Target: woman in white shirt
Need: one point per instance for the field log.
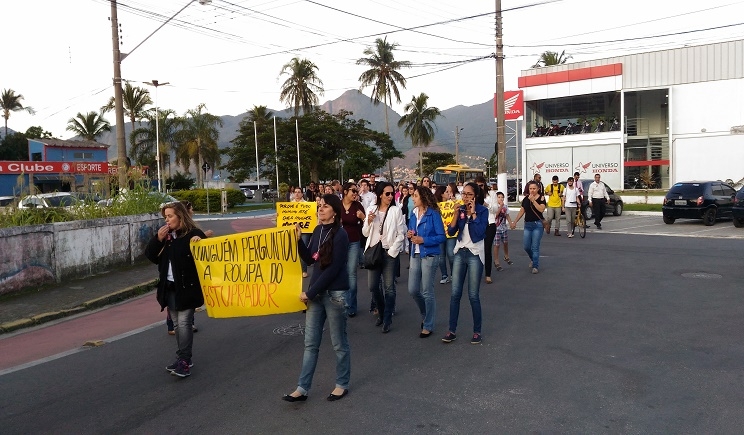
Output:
(384, 224)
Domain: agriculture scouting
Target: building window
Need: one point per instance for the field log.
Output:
(35, 157)
(590, 113)
(79, 155)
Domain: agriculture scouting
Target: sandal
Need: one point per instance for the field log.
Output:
(499, 268)
(508, 261)
(489, 280)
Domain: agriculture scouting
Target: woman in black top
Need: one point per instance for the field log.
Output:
(179, 287)
(329, 247)
(533, 206)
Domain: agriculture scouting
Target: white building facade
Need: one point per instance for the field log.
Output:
(648, 119)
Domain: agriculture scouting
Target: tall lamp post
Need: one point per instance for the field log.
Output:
(118, 102)
(157, 130)
(457, 143)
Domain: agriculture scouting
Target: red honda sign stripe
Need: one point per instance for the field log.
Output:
(571, 75)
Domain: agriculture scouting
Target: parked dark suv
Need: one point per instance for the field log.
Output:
(706, 200)
(738, 209)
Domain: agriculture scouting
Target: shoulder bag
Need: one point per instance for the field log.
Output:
(373, 254)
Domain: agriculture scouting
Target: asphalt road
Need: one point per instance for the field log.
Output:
(625, 331)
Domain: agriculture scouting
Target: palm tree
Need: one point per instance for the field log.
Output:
(11, 102)
(419, 122)
(143, 139)
(89, 126)
(197, 140)
(260, 114)
(303, 86)
(549, 58)
(384, 77)
(134, 100)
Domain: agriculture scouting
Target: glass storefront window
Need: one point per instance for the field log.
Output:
(592, 113)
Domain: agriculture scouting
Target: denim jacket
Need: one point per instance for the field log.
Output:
(431, 229)
(477, 227)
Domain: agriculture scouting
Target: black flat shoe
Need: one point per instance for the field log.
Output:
(288, 398)
(379, 321)
(332, 397)
(422, 335)
(385, 328)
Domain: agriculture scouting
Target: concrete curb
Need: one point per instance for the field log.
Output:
(117, 296)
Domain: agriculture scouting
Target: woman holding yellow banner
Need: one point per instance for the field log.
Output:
(329, 247)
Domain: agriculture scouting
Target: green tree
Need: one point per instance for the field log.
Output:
(197, 140)
(549, 58)
(179, 181)
(135, 100)
(325, 141)
(11, 102)
(241, 160)
(431, 161)
(302, 87)
(37, 132)
(14, 147)
(420, 123)
(384, 77)
(89, 125)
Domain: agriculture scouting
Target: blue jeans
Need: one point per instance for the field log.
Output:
(327, 305)
(306, 240)
(447, 255)
(421, 279)
(466, 263)
(384, 295)
(351, 267)
(182, 321)
(533, 232)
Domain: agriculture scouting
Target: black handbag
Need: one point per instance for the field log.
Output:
(373, 254)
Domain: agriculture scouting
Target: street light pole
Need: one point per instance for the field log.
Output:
(500, 125)
(157, 131)
(118, 105)
(118, 101)
(457, 144)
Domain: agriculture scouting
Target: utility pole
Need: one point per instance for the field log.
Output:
(118, 104)
(457, 144)
(500, 127)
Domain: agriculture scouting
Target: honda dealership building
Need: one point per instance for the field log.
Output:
(643, 119)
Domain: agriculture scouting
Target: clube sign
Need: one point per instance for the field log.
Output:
(10, 167)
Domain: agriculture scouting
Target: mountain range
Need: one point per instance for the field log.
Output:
(476, 123)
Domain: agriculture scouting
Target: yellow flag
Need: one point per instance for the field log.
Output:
(304, 213)
(256, 273)
(447, 210)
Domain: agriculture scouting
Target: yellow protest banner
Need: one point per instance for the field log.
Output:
(303, 213)
(447, 210)
(250, 274)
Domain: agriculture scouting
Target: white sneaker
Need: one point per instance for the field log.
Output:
(534, 271)
(443, 281)
(570, 235)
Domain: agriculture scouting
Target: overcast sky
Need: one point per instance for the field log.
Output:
(228, 55)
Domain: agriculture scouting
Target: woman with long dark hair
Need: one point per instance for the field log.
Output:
(384, 224)
(329, 247)
(469, 222)
(351, 220)
(533, 206)
(179, 287)
(426, 235)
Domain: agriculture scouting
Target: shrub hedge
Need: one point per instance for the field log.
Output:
(198, 198)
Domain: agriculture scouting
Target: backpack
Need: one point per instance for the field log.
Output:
(560, 190)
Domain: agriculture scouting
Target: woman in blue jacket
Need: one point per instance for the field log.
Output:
(426, 234)
(470, 222)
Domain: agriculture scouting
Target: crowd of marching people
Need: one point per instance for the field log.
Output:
(452, 234)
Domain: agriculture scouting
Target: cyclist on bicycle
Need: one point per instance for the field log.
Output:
(572, 197)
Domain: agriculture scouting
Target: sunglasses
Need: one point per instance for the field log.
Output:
(388, 193)
(354, 191)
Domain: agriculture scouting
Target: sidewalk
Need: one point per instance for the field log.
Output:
(54, 301)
